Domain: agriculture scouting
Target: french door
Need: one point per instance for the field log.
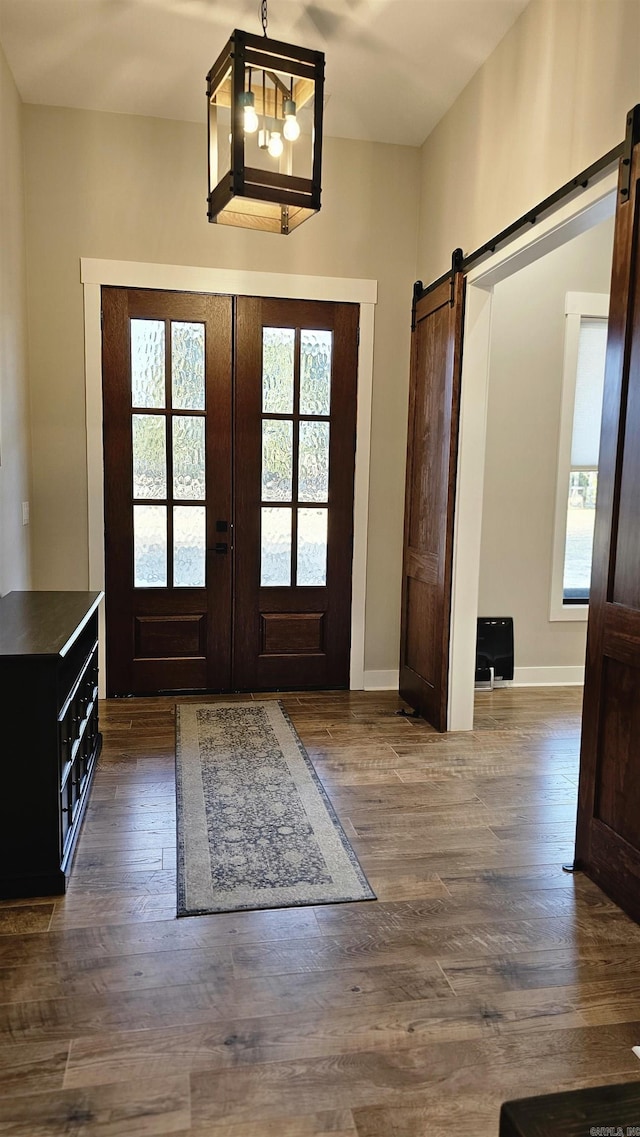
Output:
(229, 437)
(167, 443)
(295, 413)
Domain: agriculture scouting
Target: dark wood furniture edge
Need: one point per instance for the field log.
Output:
(573, 1113)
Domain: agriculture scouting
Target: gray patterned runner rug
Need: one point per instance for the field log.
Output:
(255, 827)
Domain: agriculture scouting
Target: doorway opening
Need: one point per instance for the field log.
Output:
(545, 392)
(510, 536)
(96, 274)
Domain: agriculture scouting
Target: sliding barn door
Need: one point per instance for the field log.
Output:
(608, 833)
(434, 398)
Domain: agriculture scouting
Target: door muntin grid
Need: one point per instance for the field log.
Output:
(296, 430)
(168, 426)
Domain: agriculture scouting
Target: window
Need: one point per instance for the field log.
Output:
(296, 424)
(583, 383)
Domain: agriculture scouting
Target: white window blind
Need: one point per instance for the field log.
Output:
(587, 415)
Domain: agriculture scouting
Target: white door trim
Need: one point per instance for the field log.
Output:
(184, 278)
(594, 204)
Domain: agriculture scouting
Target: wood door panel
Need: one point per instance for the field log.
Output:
(429, 458)
(617, 794)
(423, 630)
(621, 636)
(626, 581)
(608, 825)
(169, 636)
(287, 633)
(423, 566)
(434, 395)
(614, 866)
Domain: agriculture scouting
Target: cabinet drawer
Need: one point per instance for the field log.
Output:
(65, 742)
(76, 711)
(76, 783)
(66, 808)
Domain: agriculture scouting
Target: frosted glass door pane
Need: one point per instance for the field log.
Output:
(189, 546)
(275, 547)
(277, 460)
(313, 466)
(315, 372)
(188, 457)
(187, 366)
(277, 370)
(149, 456)
(312, 547)
(150, 546)
(147, 363)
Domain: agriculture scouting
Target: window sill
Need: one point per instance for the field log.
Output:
(568, 613)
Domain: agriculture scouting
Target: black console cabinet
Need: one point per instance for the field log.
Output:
(49, 737)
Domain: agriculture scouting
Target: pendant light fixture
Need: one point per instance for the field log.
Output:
(264, 164)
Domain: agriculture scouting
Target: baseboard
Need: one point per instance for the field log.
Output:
(381, 680)
(523, 677)
(548, 676)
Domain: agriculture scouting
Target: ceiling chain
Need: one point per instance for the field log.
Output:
(264, 16)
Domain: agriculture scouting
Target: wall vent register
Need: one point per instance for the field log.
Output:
(494, 652)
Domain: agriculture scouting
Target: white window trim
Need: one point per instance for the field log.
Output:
(578, 305)
(186, 278)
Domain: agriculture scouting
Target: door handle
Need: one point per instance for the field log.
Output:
(219, 547)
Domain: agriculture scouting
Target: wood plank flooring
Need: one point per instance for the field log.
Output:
(483, 972)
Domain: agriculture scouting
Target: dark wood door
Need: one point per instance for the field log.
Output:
(434, 397)
(213, 584)
(295, 429)
(167, 443)
(608, 830)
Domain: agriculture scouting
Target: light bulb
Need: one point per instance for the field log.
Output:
(291, 128)
(247, 101)
(250, 120)
(276, 145)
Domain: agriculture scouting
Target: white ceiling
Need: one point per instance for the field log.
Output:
(393, 67)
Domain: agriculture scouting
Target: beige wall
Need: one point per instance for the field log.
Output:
(523, 425)
(549, 101)
(14, 410)
(129, 188)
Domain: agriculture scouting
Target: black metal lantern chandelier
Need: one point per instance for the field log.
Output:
(264, 163)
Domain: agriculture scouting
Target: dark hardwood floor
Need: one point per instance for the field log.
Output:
(483, 972)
